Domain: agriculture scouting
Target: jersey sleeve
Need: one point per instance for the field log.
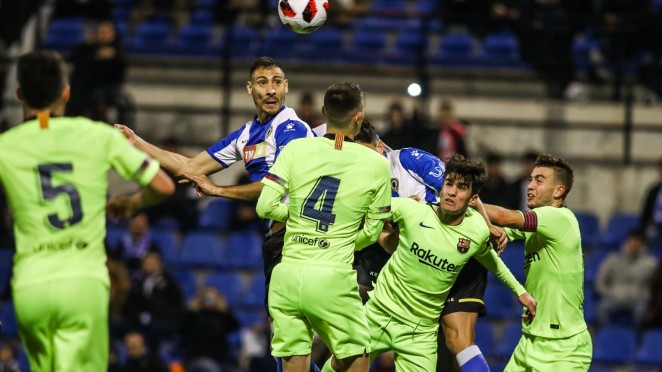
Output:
(129, 162)
(380, 207)
(279, 174)
(424, 167)
(514, 234)
(288, 131)
(226, 151)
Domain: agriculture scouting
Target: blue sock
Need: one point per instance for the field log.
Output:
(279, 364)
(313, 367)
(472, 360)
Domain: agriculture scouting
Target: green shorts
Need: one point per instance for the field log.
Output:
(64, 324)
(415, 347)
(548, 354)
(307, 297)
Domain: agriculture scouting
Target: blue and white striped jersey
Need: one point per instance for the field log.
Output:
(416, 172)
(258, 144)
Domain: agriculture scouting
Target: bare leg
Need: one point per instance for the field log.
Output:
(459, 330)
(296, 363)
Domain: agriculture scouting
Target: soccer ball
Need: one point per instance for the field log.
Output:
(303, 16)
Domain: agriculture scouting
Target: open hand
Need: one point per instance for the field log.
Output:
(121, 207)
(202, 184)
(128, 133)
(498, 238)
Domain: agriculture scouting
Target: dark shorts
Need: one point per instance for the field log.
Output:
(368, 262)
(467, 293)
(272, 253)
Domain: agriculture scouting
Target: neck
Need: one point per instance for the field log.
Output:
(29, 112)
(448, 218)
(342, 131)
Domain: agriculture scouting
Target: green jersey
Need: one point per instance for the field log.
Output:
(56, 181)
(332, 186)
(554, 267)
(414, 283)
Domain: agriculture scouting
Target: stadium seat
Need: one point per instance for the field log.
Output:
(367, 46)
(649, 350)
(166, 242)
(64, 34)
(589, 227)
(614, 345)
(513, 257)
(114, 238)
(500, 50)
(151, 37)
(618, 227)
(509, 339)
(455, 50)
(388, 6)
(248, 319)
(424, 7)
(200, 249)
(228, 284)
(194, 39)
(253, 296)
(590, 300)
(582, 48)
(485, 338)
(501, 302)
(592, 265)
(187, 283)
(242, 251)
(282, 43)
(408, 47)
(203, 17)
(325, 44)
(216, 215)
(245, 41)
(121, 14)
(8, 318)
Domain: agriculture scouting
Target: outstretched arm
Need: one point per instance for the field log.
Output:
(498, 236)
(505, 217)
(175, 163)
(389, 238)
(126, 206)
(203, 185)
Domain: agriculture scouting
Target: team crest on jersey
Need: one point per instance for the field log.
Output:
(395, 185)
(463, 245)
(268, 132)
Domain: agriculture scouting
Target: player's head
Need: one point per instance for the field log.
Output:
(42, 80)
(367, 136)
(551, 181)
(343, 107)
(268, 86)
(464, 179)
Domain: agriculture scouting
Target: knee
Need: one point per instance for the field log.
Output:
(456, 342)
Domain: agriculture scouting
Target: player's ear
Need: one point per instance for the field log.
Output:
(249, 87)
(324, 112)
(559, 191)
(66, 93)
(472, 199)
(19, 95)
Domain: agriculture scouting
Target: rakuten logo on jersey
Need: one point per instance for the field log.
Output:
(322, 243)
(426, 257)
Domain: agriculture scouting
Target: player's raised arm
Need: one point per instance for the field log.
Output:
(175, 163)
(205, 186)
(123, 206)
(504, 217)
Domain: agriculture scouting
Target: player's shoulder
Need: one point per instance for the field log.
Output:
(475, 221)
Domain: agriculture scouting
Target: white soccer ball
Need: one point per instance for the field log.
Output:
(303, 16)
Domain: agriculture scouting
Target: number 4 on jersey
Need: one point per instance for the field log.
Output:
(318, 206)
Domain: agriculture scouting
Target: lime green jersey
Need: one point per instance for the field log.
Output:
(554, 267)
(56, 181)
(414, 283)
(332, 186)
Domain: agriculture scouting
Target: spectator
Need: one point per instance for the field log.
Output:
(623, 280)
(120, 286)
(205, 329)
(155, 302)
(654, 311)
(521, 184)
(254, 355)
(398, 133)
(139, 359)
(497, 190)
(8, 361)
(452, 132)
(183, 205)
(176, 11)
(136, 243)
(99, 67)
(308, 111)
(651, 214)
(466, 16)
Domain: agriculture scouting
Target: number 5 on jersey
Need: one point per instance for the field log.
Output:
(318, 206)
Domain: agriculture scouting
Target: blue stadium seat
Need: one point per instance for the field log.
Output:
(194, 39)
(325, 44)
(367, 46)
(501, 49)
(203, 17)
(282, 43)
(169, 224)
(649, 350)
(590, 302)
(407, 48)
(455, 50)
(424, 7)
(229, 284)
(485, 338)
(589, 227)
(151, 37)
(388, 6)
(513, 257)
(216, 215)
(501, 302)
(592, 265)
(245, 41)
(64, 34)
(582, 47)
(242, 250)
(187, 282)
(618, 227)
(121, 14)
(509, 338)
(114, 237)
(253, 296)
(167, 243)
(8, 318)
(200, 249)
(614, 345)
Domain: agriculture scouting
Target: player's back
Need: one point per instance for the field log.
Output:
(331, 189)
(56, 182)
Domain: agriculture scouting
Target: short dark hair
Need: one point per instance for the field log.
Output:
(472, 172)
(637, 233)
(367, 133)
(340, 101)
(264, 62)
(562, 169)
(41, 77)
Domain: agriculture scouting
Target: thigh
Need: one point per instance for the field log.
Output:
(293, 334)
(415, 349)
(332, 304)
(34, 316)
(568, 354)
(272, 253)
(380, 336)
(81, 338)
(467, 293)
